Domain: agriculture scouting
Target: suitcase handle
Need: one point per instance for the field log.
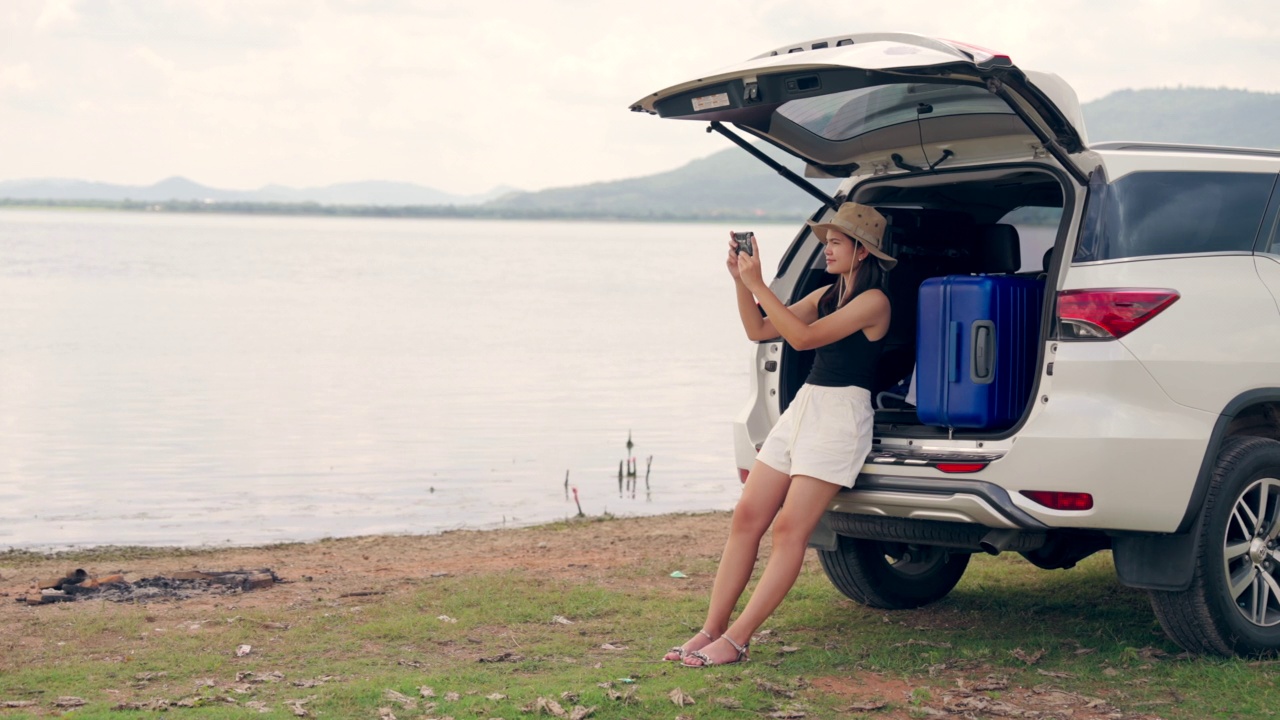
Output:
(983, 349)
(953, 351)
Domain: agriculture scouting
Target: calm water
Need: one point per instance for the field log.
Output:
(192, 380)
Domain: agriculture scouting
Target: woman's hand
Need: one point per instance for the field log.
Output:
(748, 269)
(732, 262)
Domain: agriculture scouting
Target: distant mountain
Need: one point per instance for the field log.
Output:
(183, 190)
(730, 182)
(1199, 116)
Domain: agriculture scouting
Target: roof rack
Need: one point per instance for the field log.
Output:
(1176, 147)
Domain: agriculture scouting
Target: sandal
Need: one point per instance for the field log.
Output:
(741, 649)
(679, 650)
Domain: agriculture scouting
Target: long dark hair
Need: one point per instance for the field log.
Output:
(870, 276)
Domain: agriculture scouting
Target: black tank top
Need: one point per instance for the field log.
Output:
(848, 361)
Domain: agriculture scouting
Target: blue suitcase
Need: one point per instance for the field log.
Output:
(976, 343)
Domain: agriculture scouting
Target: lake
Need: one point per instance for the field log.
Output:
(195, 380)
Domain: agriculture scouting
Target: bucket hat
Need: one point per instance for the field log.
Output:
(862, 223)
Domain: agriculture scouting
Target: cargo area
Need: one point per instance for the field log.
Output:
(988, 233)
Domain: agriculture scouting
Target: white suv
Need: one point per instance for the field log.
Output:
(1151, 426)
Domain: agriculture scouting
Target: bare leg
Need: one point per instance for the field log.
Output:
(806, 500)
(761, 498)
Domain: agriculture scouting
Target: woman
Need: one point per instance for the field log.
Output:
(820, 442)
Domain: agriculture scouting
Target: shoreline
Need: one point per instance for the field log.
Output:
(108, 550)
(20, 557)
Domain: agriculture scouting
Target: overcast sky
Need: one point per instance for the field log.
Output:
(462, 96)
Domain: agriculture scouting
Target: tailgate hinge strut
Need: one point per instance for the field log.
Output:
(778, 167)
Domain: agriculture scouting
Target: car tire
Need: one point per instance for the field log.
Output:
(1233, 604)
(890, 575)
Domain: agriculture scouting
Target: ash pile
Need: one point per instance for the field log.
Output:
(81, 585)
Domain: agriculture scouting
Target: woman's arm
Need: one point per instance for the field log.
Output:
(761, 328)
(868, 311)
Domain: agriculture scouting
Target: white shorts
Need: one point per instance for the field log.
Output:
(825, 433)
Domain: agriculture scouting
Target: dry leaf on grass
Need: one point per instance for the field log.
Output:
(569, 696)
(386, 714)
(787, 714)
(426, 691)
(495, 697)
(17, 703)
(1086, 651)
(405, 701)
(1151, 653)
(680, 698)
(1110, 672)
(729, 703)
(924, 643)
(561, 620)
(1059, 675)
(258, 705)
(611, 646)
(772, 689)
(992, 682)
(867, 706)
(68, 701)
(296, 707)
(446, 618)
(157, 705)
(1030, 659)
(452, 697)
(626, 698)
(504, 657)
(546, 706)
(314, 682)
(580, 712)
(788, 649)
(243, 650)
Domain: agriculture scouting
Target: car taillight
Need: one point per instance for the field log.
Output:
(1061, 500)
(960, 467)
(1108, 313)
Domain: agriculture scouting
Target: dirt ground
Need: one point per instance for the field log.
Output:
(376, 565)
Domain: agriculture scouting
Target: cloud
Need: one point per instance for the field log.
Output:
(16, 77)
(55, 13)
(464, 96)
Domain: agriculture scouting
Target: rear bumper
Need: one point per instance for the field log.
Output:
(913, 498)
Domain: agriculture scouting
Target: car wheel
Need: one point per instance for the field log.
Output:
(1233, 604)
(892, 575)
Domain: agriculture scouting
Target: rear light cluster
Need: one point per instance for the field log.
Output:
(1061, 500)
(952, 467)
(1109, 313)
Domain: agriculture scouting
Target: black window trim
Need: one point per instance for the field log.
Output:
(1266, 240)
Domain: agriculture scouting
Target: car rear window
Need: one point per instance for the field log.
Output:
(1174, 213)
(848, 114)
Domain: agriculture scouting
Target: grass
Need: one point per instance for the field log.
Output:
(1035, 631)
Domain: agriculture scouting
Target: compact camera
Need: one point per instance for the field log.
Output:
(746, 242)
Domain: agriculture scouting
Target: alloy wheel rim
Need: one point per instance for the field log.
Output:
(1251, 553)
